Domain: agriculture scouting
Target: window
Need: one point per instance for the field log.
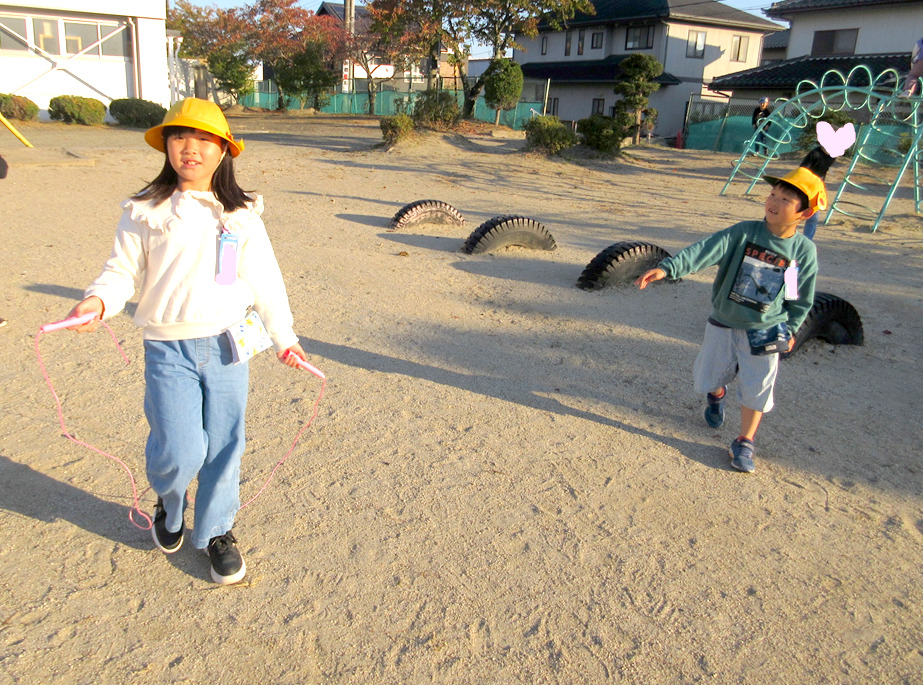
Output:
(80, 36)
(553, 107)
(10, 28)
(580, 39)
(599, 106)
(841, 42)
(695, 47)
(544, 45)
(567, 40)
(116, 43)
(596, 42)
(639, 38)
(739, 45)
(46, 35)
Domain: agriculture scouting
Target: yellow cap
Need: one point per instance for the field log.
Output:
(195, 113)
(808, 183)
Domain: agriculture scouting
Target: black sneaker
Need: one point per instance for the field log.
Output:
(166, 541)
(714, 409)
(227, 565)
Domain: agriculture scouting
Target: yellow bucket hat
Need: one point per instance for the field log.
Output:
(808, 183)
(195, 113)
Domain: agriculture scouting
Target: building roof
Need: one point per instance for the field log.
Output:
(588, 71)
(777, 41)
(337, 10)
(781, 10)
(697, 11)
(786, 75)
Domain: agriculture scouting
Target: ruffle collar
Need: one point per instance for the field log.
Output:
(157, 216)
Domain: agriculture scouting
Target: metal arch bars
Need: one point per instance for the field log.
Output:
(893, 123)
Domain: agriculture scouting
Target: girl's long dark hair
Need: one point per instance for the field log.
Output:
(224, 184)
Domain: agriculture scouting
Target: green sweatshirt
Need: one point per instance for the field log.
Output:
(748, 291)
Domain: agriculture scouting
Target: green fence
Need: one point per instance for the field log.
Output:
(390, 102)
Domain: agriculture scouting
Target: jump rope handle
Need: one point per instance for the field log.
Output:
(67, 323)
(306, 366)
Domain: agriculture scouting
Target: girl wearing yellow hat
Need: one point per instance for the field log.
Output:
(194, 243)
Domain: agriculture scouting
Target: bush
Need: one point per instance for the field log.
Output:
(547, 134)
(73, 109)
(396, 128)
(601, 133)
(136, 113)
(436, 109)
(18, 107)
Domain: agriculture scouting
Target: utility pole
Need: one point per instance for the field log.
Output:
(349, 21)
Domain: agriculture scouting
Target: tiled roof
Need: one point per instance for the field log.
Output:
(777, 41)
(778, 10)
(589, 71)
(699, 11)
(338, 11)
(786, 75)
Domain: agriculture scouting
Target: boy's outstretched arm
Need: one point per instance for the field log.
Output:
(649, 277)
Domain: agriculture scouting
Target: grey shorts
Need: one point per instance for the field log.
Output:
(725, 354)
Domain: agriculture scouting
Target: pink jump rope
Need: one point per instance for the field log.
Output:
(86, 318)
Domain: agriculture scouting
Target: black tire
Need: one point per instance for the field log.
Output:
(426, 212)
(620, 264)
(505, 231)
(831, 319)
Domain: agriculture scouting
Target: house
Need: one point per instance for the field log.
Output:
(694, 41)
(99, 49)
(831, 34)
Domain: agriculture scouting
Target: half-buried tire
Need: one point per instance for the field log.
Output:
(506, 231)
(620, 264)
(831, 319)
(426, 212)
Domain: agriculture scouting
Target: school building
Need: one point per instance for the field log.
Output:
(101, 49)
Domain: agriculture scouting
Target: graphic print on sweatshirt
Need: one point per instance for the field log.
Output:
(759, 278)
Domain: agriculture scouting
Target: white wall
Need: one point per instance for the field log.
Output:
(143, 74)
(881, 30)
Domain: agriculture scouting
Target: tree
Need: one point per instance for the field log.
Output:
(496, 23)
(221, 38)
(388, 39)
(454, 24)
(502, 85)
(637, 82)
(281, 32)
(308, 75)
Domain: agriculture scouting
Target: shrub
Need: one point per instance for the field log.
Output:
(136, 113)
(601, 133)
(547, 134)
(436, 109)
(396, 128)
(73, 109)
(18, 107)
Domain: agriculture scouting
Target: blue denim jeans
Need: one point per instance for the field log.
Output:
(195, 401)
(810, 226)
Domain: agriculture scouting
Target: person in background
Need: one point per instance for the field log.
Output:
(762, 111)
(916, 70)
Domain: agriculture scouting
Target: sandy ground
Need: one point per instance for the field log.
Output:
(509, 479)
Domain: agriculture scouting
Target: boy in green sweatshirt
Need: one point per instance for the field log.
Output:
(764, 288)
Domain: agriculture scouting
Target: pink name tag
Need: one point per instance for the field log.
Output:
(227, 259)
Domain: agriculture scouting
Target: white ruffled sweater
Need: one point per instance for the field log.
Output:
(170, 252)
